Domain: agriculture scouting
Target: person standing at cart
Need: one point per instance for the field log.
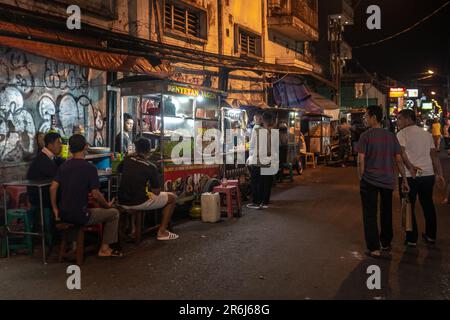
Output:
(44, 167)
(261, 184)
(127, 147)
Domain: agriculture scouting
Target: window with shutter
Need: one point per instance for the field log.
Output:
(183, 20)
(249, 43)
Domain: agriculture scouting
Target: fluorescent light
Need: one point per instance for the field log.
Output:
(182, 99)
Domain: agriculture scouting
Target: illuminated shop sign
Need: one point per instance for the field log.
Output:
(427, 106)
(413, 93)
(186, 91)
(397, 92)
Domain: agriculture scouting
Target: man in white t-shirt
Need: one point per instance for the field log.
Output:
(423, 170)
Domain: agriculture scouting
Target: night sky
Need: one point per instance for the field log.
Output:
(405, 57)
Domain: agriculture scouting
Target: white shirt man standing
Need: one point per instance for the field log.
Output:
(423, 170)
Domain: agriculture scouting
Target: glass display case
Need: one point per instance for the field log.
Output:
(236, 141)
(318, 133)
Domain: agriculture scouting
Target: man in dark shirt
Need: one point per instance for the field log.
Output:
(44, 167)
(76, 178)
(379, 153)
(137, 174)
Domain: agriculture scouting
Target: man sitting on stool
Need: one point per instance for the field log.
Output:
(76, 178)
(138, 173)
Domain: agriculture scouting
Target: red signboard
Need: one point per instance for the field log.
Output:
(188, 178)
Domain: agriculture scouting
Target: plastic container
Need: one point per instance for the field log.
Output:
(210, 207)
(103, 163)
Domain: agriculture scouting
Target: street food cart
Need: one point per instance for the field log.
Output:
(169, 113)
(236, 141)
(317, 131)
(288, 121)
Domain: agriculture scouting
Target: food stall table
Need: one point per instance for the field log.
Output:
(27, 183)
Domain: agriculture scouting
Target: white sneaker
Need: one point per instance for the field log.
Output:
(253, 206)
(264, 206)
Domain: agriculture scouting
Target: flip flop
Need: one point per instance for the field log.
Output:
(376, 254)
(170, 236)
(114, 254)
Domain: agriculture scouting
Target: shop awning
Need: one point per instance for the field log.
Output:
(245, 104)
(330, 107)
(290, 92)
(71, 49)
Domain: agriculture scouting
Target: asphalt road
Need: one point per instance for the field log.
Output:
(308, 245)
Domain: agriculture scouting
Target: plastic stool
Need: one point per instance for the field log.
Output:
(15, 193)
(13, 217)
(310, 155)
(236, 184)
(230, 192)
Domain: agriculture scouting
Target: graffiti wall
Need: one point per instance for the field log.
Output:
(33, 89)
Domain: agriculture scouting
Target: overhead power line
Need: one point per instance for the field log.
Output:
(404, 31)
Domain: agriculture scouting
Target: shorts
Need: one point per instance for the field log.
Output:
(155, 202)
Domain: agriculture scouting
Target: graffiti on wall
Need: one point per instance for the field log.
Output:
(32, 90)
(17, 129)
(63, 76)
(71, 114)
(15, 70)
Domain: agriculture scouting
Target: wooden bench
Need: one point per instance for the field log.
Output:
(78, 253)
(139, 223)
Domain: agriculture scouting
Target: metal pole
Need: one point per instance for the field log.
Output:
(448, 95)
(44, 257)
(121, 124)
(161, 138)
(6, 220)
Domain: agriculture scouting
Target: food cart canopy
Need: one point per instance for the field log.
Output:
(75, 50)
(330, 107)
(157, 84)
(245, 104)
(290, 92)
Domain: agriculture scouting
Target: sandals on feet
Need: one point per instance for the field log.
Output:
(169, 236)
(114, 254)
(374, 254)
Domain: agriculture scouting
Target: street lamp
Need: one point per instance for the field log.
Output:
(433, 93)
(447, 96)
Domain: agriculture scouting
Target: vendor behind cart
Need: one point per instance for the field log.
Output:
(127, 146)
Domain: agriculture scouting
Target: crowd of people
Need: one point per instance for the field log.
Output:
(381, 154)
(76, 180)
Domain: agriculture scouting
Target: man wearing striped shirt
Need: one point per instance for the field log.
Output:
(379, 154)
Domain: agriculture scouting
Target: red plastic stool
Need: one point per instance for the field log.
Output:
(236, 184)
(231, 192)
(15, 193)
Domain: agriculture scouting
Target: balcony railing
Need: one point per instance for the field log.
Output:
(305, 10)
